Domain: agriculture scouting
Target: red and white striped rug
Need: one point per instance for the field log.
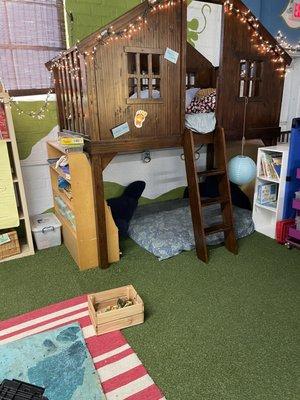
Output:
(121, 372)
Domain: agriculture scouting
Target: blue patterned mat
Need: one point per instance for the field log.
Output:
(165, 229)
(57, 360)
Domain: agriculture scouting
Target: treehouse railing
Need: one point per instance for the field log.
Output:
(70, 87)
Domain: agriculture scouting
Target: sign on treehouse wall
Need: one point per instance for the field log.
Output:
(204, 29)
(291, 14)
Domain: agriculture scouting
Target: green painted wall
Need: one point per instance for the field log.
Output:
(28, 130)
(90, 15)
(112, 189)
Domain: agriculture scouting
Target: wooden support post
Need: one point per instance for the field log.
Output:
(98, 189)
(106, 159)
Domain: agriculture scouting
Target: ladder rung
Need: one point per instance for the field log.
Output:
(214, 200)
(216, 228)
(212, 172)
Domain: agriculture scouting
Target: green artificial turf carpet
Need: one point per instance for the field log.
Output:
(227, 330)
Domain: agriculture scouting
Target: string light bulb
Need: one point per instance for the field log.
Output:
(264, 46)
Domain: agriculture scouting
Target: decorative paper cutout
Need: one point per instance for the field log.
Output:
(291, 14)
(171, 55)
(139, 118)
(120, 130)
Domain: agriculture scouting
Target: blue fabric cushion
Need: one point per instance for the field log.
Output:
(165, 229)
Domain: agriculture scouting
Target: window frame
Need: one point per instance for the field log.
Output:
(12, 46)
(139, 76)
(248, 79)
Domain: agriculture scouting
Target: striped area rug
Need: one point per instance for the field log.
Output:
(121, 372)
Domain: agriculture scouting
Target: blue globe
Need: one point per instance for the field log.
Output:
(241, 170)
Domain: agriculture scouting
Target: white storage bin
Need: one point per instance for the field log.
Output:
(46, 229)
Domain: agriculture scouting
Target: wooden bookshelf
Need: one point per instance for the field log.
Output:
(81, 239)
(26, 242)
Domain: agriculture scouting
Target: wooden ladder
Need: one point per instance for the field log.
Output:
(216, 166)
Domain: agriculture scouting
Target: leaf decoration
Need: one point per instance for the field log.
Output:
(193, 25)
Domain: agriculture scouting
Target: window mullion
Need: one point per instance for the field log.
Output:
(138, 74)
(150, 75)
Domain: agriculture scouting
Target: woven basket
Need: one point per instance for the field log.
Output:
(11, 248)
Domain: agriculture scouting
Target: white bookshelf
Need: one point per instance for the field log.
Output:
(265, 216)
(26, 243)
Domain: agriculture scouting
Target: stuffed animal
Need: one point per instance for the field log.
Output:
(209, 188)
(123, 207)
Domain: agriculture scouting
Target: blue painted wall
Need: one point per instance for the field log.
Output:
(269, 13)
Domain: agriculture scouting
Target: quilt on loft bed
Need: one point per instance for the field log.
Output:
(201, 122)
(200, 110)
(165, 229)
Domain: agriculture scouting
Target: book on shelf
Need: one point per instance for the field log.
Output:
(71, 141)
(267, 194)
(4, 134)
(271, 165)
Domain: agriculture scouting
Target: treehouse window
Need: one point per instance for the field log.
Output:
(144, 74)
(250, 78)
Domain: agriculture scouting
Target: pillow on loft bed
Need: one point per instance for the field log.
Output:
(201, 122)
(189, 95)
(205, 104)
(204, 92)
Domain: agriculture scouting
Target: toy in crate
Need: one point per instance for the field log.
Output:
(18, 390)
(115, 309)
(9, 244)
(267, 193)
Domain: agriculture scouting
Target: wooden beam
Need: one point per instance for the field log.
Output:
(27, 92)
(183, 65)
(107, 159)
(98, 189)
(13, 46)
(59, 98)
(119, 146)
(132, 145)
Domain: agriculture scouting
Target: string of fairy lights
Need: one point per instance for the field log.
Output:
(262, 45)
(39, 113)
(110, 35)
(282, 40)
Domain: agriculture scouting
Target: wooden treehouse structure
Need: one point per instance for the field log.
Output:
(100, 81)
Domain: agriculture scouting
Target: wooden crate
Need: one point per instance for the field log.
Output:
(11, 248)
(114, 320)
